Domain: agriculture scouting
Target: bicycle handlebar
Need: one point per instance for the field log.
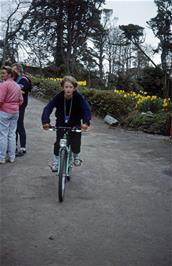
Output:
(72, 129)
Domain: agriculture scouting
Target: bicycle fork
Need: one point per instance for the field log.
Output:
(69, 160)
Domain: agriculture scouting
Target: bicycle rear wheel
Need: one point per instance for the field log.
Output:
(62, 175)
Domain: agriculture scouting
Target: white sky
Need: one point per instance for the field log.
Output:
(135, 12)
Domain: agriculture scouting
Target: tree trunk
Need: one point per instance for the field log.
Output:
(166, 76)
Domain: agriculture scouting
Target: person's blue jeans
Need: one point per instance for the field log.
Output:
(8, 125)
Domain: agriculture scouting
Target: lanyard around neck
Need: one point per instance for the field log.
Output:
(67, 117)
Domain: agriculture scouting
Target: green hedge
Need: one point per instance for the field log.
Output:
(107, 102)
(47, 88)
(123, 109)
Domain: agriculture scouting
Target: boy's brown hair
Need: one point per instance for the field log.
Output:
(69, 79)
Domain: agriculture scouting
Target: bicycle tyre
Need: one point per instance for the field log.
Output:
(62, 175)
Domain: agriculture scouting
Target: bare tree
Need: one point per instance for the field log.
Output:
(12, 25)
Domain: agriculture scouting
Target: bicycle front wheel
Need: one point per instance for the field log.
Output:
(62, 175)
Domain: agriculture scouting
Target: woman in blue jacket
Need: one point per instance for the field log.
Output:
(71, 110)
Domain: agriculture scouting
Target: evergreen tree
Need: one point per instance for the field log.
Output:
(67, 25)
(162, 28)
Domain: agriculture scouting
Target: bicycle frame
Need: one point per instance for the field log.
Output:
(65, 159)
(64, 145)
(67, 147)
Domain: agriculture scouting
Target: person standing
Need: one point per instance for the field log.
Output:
(25, 88)
(10, 100)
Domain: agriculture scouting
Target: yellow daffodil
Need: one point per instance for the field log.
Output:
(81, 83)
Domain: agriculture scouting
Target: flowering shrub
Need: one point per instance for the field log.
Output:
(130, 108)
(144, 103)
(81, 83)
(44, 88)
(48, 87)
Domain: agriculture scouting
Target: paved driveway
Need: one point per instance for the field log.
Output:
(117, 210)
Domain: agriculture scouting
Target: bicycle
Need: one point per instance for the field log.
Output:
(65, 163)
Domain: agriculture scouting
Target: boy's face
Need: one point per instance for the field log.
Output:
(68, 89)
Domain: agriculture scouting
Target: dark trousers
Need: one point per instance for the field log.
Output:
(74, 141)
(20, 127)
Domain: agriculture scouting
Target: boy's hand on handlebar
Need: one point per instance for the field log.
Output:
(46, 126)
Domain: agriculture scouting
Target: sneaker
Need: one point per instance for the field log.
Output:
(11, 160)
(20, 153)
(77, 162)
(54, 166)
(2, 161)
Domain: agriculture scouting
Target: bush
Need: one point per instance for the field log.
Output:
(157, 123)
(46, 88)
(120, 105)
(151, 105)
(106, 102)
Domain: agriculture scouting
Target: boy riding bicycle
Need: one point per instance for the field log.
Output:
(71, 109)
